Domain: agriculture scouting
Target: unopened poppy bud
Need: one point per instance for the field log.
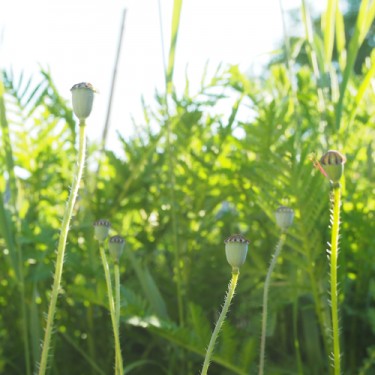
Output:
(116, 246)
(284, 217)
(82, 99)
(236, 250)
(101, 229)
(333, 164)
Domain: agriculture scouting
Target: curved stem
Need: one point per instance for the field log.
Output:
(265, 301)
(220, 321)
(61, 249)
(119, 368)
(335, 220)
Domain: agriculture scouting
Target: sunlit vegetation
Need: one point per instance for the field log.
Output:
(199, 167)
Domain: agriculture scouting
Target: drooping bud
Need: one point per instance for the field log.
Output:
(284, 217)
(236, 250)
(101, 229)
(333, 164)
(116, 246)
(82, 99)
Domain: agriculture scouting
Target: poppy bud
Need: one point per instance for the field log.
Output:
(284, 217)
(236, 250)
(101, 229)
(82, 99)
(116, 246)
(333, 164)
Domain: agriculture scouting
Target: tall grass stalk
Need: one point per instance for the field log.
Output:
(177, 5)
(220, 321)
(119, 368)
(61, 249)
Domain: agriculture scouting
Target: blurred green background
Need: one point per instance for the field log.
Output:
(192, 173)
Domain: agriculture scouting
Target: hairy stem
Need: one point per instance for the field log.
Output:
(119, 368)
(265, 302)
(61, 249)
(335, 221)
(220, 321)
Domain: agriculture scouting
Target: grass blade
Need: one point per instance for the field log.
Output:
(177, 5)
(340, 38)
(364, 20)
(328, 29)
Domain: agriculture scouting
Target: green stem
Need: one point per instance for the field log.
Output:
(25, 326)
(119, 368)
(333, 260)
(61, 249)
(176, 14)
(117, 295)
(265, 301)
(297, 346)
(220, 321)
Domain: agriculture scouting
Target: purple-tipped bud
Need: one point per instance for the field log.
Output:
(284, 217)
(236, 250)
(82, 99)
(101, 229)
(116, 246)
(333, 164)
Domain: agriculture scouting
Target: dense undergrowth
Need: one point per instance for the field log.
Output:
(192, 174)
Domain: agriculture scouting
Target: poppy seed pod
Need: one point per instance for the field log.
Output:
(116, 246)
(82, 99)
(333, 164)
(236, 250)
(284, 217)
(101, 229)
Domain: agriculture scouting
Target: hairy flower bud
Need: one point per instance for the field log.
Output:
(116, 246)
(333, 164)
(236, 250)
(101, 229)
(284, 217)
(82, 99)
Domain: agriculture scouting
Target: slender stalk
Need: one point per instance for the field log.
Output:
(61, 249)
(297, 346)
(119, 368)
(265, 301)
(335, 219)
(117, 295)
(25, 326)
(113, 82)
(177, 6)
(220, 321)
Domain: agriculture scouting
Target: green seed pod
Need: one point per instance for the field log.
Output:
(236, 250)
(101, 229)
(333, 164)
(284, 217)
(116, 246)
(82, 99)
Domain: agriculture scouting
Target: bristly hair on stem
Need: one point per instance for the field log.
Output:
(332, 163)
(236, 247)
(61, 252)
